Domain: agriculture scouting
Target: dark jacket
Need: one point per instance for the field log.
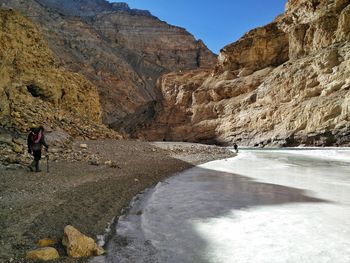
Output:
(34, 142)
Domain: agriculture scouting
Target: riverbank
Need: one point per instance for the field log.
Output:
(87, 195)
(291, 205)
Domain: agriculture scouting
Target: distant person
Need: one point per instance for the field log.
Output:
(235, 146)
(36, 141)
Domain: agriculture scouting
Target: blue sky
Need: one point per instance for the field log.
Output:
(216, 22)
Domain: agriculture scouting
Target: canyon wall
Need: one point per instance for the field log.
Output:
(122, 51)
(284, 84)
(35, 90)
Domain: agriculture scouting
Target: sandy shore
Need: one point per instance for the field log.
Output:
(40, 205)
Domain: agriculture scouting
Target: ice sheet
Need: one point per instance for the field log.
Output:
(262, 206)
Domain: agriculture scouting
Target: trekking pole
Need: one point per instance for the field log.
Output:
(47, 161)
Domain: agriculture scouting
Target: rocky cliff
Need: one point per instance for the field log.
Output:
(35, 90)
(33, 84)
(120, 50)
(283, 84)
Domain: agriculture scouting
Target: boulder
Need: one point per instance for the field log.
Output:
(43, 254)
(47, 242)
(79, 245)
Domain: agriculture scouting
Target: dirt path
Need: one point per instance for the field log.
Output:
(39, 205)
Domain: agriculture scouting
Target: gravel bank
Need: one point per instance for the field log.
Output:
(39, 205)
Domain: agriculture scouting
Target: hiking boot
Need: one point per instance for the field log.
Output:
(30, 168)
(37, 169)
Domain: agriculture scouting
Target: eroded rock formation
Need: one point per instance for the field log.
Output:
(283, 84)
(121, 50)
(35, 90)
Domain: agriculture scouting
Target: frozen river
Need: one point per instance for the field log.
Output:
(262, 206)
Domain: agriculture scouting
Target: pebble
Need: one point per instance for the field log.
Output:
(108, 163)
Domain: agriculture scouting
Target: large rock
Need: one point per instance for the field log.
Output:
(79, 245)
(43, 254)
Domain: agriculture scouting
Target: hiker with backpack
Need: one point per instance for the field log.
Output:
(36, 140)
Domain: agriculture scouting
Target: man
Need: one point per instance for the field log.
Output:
(36, 140)
(235, 146)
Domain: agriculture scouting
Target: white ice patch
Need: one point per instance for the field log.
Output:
(269, 206)
(287, 233)
(309, 170)
(332, 154)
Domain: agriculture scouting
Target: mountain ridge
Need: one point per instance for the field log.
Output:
(123, 62)
(86, 8)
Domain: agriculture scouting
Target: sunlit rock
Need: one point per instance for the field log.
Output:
(43, 254)
(47, 242)
(79, 245)
(282, 84)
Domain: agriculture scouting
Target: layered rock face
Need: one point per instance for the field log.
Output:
(121, 50)
(260, 48)
(284, 84)
(35, 90)
(170, 47)
(85, 8)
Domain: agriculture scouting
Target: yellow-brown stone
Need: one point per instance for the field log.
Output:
(43, 254)
(47, 242)
(78, 245)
